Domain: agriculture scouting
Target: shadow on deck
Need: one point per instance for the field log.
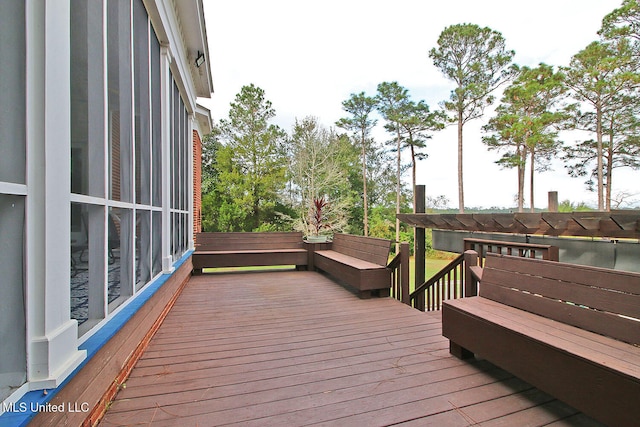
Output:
(292, 348)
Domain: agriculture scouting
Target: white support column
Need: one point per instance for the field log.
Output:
(194, 126)
(165, 81)
(51, 334)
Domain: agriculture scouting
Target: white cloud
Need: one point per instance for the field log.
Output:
(309, 56)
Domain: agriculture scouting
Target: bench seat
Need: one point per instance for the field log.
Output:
(248, 249)
(354, 262)
(613, 355)
(572, 331)
(360, 262)
(363, 275)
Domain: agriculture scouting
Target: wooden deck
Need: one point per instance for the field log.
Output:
(292, 348)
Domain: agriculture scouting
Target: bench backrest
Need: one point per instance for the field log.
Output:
(600, 300)
(248, 241)
(370, 249)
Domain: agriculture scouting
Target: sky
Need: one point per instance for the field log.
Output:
(309, 56)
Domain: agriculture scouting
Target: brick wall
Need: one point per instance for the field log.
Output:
(197, 182)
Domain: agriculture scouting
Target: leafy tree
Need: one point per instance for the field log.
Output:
(211, 198)
(527, 122)
(604, 77)
(360, 123)
(568, 206)
(220, 211)
(381, 224)
(252, 163)
(380, 182)
(210, 147)
(477, 60)
(319, 171)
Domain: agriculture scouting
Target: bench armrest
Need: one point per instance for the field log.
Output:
(476, 272)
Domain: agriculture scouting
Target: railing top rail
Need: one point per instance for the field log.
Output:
(395, 262)
(505, 243)
(457, 261)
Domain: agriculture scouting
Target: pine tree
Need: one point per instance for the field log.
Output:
(477, 61)
(360, 123)
(252, 162)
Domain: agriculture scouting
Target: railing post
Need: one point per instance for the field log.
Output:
(404, 273)
(470, 284)
(419, 241)
(553, 201)
(553, 253)
(420, 302)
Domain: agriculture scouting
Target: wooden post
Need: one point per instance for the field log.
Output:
(404, 272)
(420, 302)
(553, 201)
(470, 284)
(553, 253)
(311, 250)
(419, 241)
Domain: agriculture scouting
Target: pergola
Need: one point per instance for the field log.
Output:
(613, 224)
(617, 224)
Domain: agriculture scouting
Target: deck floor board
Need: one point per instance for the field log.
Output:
(294, 348)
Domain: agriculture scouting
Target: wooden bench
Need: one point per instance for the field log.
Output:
(570, 330)
(248, 249)
(358, 261)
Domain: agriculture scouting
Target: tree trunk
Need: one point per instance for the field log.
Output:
(413, 173)
(531, 189)
(599, 156)
(522, 154)
(256, 209)
(398, 193)
(460, 181)
(364, 185)
(609, 171)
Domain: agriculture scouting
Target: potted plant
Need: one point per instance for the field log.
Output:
(318, 220)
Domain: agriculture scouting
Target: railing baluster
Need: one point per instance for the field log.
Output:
(436, 290)
(460, 280)
(451, 277)
(399, 267)
(455, 284)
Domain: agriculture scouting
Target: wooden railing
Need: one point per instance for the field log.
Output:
(460, 277)
(526, 250)
(399, 267)
(446, 284)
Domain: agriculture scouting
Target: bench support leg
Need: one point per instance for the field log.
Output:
(459, 352)
(197, 271)
(383, 293)
(364, 294)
